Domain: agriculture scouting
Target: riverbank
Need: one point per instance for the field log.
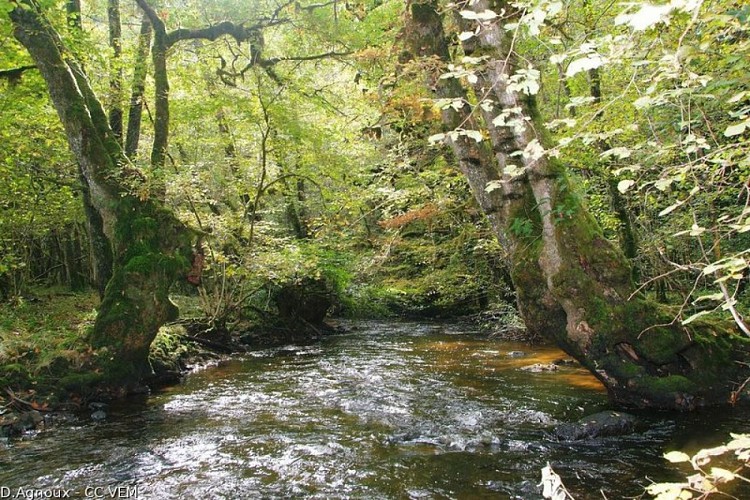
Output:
(47, 366)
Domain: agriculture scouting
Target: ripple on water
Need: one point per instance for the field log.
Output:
(391, 410)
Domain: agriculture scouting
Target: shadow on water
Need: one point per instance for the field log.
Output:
(389, 410)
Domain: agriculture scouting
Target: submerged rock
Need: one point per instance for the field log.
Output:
(606, 423)
(516, 354)
(540, 367)
(98, 416)
(564, 362)
(15, 424)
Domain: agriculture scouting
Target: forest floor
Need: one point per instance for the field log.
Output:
(45, 361)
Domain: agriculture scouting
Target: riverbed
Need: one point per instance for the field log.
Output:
(386, 410)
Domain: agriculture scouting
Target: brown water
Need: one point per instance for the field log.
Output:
(391, 410)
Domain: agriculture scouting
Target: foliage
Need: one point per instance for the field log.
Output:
(706, 482)
(649, 104)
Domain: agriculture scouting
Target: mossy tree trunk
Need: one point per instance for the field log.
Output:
(151, 248)
(566, 273)
(482, 165)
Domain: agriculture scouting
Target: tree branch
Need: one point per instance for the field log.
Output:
(14, 75)
(275, 60)
(239, 32)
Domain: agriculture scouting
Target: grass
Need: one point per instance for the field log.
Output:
(42, 338)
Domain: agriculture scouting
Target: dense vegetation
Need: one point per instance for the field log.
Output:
(265, 164)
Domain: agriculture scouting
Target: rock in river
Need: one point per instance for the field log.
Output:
(606, 423)
(540, 367)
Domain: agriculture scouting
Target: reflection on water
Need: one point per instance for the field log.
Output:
(388, 411)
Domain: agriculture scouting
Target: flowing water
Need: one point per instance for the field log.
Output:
(388, 410)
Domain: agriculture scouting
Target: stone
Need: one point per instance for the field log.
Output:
(540, 367)
(603, 424)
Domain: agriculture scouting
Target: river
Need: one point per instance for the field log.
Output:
(387, 410)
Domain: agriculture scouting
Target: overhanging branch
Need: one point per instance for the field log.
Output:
(276, 60)
(14, 75)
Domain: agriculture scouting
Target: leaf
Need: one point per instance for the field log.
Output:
(649, 15)
(552, 484)
(513, 170)
(474, 134)
(738, 97)
(663, 184)
(592, 61)
(492, 186)
(722, 475)
(557, 58)
(465, 35)
(434, 139)
(713, 296)
(533, 150)
(668, 491)
(620, 152)
(694, 317)
(677, 456)
(736, 129)
(485, 15)
(642, 102)
(671, 208)
(624, 185)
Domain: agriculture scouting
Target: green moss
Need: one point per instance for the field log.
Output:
(629, 370)
(80, 383)
(663, 386)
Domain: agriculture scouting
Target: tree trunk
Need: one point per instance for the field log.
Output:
(564, 270)
(99, 245)
(151, 248)
(425, 37)
(135, 111)
(115, 82)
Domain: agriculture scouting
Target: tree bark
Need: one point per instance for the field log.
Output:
(161, 91)
(99, 244)
(115, 83)
(135, 111)
(640, 353)
(424, 37)
(151, 248)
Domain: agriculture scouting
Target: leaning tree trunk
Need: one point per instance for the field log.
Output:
(424, 37)
(640, 353)
(151, 248)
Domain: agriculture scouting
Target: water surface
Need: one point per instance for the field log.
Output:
(389, 410)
